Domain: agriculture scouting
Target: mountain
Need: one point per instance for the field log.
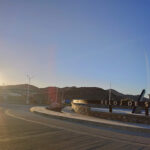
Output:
(92, 93)
(116, 92)
(40, 95)
(21, 88)
(134, 97)
(89, 93)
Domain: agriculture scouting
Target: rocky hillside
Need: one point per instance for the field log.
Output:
(20, 89)
(40, 95)
(124, 96)
(89, 93)
(92, 93)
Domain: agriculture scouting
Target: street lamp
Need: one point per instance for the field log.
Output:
(28, 88)
(110, 106)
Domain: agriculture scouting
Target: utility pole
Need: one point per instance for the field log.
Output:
(28, 88)
(110, 106)
(56, 94)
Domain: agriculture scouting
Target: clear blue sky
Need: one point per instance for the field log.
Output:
(76, 43)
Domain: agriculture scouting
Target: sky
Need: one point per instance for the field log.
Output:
(76, 43)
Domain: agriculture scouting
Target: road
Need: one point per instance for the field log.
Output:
(22, 130)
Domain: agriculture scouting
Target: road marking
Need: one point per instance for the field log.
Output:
(24, 137)
(75, 131)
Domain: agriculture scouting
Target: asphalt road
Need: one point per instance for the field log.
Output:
(22, 130)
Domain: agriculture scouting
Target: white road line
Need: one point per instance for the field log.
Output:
(7, 112)
(24, 137)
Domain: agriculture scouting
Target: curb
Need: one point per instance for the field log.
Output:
(92, 123)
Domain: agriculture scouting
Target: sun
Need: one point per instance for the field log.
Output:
(2, 81)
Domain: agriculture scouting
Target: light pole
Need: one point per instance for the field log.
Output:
(28, 89)
(110, 106)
